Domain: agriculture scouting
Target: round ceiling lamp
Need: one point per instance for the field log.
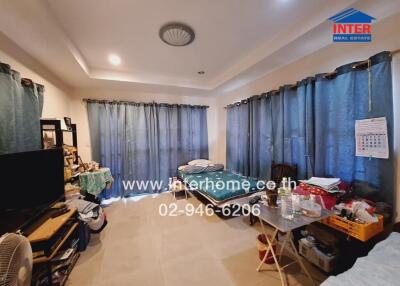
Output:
(176, 34)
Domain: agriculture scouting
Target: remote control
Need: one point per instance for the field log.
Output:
(59, 212)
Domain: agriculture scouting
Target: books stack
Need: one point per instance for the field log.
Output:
(330, 185)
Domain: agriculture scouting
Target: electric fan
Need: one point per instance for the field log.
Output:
(15, 260)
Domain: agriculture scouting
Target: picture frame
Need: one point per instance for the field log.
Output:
(68, 123)
(48, 140)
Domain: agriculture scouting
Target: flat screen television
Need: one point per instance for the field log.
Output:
(30, 182)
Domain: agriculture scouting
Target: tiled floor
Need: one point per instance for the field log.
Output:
(140, 247)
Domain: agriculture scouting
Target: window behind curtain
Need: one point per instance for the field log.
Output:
(145, 142)
(312, 126)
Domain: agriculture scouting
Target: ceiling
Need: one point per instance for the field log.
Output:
(236, 41)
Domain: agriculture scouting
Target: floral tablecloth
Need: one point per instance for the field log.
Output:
(95, 182)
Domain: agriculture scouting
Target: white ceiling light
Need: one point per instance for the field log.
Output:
(176, 34)
(114, 59)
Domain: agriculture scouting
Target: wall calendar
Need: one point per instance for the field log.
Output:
(372, 138)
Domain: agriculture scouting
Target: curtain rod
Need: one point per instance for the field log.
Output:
(395, 52)
(359, 64)
(27, 82)
(326, 75)
(140, 103)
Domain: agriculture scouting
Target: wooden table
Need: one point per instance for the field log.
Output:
(47, 230)
(273, 217)
(50, 227)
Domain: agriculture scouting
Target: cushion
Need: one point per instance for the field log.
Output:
(201, 163)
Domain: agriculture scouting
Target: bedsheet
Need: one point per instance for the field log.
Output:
(379, 268)
(207, 184)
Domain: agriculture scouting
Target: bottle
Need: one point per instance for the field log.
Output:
(284, 183)
(296, 199)
(286, 200)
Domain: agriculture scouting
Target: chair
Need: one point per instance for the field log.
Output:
(278, 172)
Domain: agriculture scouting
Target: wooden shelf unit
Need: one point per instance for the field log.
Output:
(50, 227)
(49, 230)
(43, 259)
(54, 125)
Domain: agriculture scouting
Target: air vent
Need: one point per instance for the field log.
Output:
(176, 34)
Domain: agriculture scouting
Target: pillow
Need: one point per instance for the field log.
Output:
(201, 163)
(188, 169)
(183, 167)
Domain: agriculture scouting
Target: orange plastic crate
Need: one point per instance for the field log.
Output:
(360, 231)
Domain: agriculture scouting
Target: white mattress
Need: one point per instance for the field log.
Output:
(381, 267)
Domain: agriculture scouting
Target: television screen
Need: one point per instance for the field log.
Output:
(31, 179)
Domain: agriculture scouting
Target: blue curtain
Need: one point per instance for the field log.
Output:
(274, 127)
(145, 142)
(21, 105)
(277, 126)
(338, 103)
(311, 125)
(298, 131)
(260, 140)
(238, 131)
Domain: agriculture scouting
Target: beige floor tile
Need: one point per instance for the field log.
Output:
(145, 277)
(195, 268)
(139, 247)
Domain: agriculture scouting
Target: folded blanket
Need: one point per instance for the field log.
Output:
(189, 169)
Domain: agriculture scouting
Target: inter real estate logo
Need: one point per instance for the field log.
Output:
(352, 25)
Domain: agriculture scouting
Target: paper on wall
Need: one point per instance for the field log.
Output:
(372, 138)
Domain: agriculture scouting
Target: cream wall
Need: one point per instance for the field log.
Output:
(79, 114)
(385, 37)
(396, 104)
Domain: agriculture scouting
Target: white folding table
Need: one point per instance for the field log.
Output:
(273, 217)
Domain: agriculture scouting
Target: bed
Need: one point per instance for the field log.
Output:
(379, 267)
(206, 185)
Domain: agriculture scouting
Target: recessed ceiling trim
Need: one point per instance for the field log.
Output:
(146, 79)
(254, 64)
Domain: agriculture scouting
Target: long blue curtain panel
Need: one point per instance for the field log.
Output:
(145, 142)
(311, 125)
